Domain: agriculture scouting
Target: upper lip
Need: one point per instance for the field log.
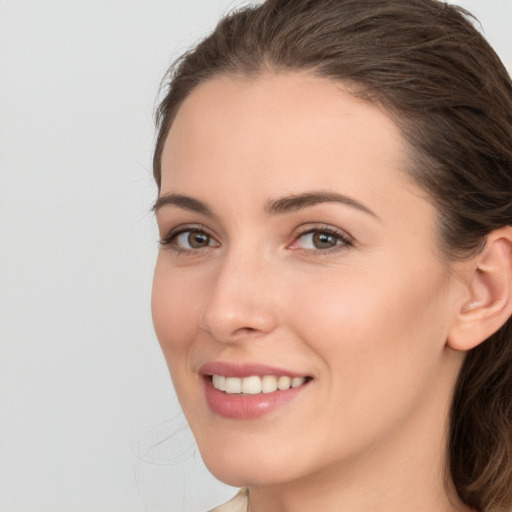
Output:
(242, 370)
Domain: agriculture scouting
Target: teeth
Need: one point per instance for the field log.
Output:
(251, 385)
(284, 383)
(233, 385)
(219, 382)
(268, 384)
(298, 381)
(254, 385)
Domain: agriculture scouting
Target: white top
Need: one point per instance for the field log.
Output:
(240, 503)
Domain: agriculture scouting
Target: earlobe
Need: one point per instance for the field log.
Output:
(489, 293)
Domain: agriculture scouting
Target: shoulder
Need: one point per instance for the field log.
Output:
(238, 504)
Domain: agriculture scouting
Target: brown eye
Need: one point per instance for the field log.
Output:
(323, 240)
(197, 239)
(192, 239)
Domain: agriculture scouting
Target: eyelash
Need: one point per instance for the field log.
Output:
(345, 241)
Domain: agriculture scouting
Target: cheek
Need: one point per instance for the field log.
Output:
(175, 307)
(377, 332)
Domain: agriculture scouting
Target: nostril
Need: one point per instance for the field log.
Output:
(246, 329)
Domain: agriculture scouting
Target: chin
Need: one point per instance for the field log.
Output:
(235, 476)
(244, 474)
(244, 468)
(234, 467)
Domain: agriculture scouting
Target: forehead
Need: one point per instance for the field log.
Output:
(287, 130)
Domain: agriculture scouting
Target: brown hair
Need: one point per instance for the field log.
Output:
(445, 87)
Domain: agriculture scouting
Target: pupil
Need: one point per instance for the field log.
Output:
(198, 240)
(324, 240)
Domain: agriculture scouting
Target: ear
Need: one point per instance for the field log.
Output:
(488, 302)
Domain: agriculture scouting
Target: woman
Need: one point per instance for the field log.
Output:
(333, 291)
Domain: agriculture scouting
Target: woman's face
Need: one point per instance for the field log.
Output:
(295, 245)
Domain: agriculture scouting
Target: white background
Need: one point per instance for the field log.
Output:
(84, 391)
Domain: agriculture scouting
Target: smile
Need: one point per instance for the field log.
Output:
(255, 385)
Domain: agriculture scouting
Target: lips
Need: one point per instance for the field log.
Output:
(249, 391)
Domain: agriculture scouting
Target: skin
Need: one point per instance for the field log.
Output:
(367, 319)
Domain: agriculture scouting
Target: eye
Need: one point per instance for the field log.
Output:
(192, 240)
(189, 240)
(321, 239)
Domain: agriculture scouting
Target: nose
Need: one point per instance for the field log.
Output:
(242, 300)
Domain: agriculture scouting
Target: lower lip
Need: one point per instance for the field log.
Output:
(247, 407)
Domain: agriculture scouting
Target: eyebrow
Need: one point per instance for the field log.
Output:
(183, 202)
(273, 207)
(307, 199)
